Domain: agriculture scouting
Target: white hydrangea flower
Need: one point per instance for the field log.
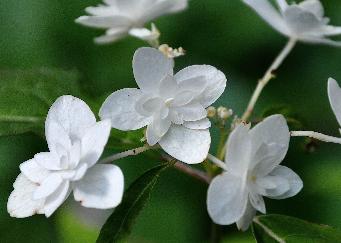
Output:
(127, 17)
(171, 106)
(304, 21)
(253, 171)
(76, 142)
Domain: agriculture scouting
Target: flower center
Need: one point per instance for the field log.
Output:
(168, 101)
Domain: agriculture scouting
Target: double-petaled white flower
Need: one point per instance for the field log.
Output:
(304, 21)
(171, 106)
(123, 17)
(253, 171)
(76, 142)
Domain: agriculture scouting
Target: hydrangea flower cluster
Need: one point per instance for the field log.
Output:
(175, 109)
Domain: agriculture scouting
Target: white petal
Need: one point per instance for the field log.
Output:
(20, 203)
(187, 145)
(94, 141)
(201, 124)
(156, 130)
(245, 221)
(33, 171)
(281, 186)
(196, 84)
(265, 159)
(48, 186)
(143, 34)
(57, 198)
(330, 30)
(111, 35)
(320, 40)
(120, 108)
(168, 87)
(282, 4)
(150, 67)
(101, 187)
(300, 21)
(48, 160)
(334, 94)
(269, 14)
(102, 10)
(238, 150)
(272, 131)
(163, 7)
(313, 6)
(74, 156)
(104, 21)
(183, 98)
(80, 171)
(57, 137)
(226, 199)
(191, 112)
(257, 202)
(215, 82)
(72, 114)
(295, 182)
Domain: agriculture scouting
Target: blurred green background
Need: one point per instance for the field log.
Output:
(222, 33)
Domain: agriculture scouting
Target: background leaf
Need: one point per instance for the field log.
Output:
(119, 224)
(26, 96)
(280, 228)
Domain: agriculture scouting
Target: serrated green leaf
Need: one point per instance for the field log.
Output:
(119, 224)
(280, 228)
(26, 96)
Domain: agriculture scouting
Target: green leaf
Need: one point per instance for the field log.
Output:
(119, 224)
(26, 96)
(280, 228)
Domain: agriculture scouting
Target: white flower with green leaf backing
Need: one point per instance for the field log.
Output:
(253, 171)
(76, 142)
(171, 106)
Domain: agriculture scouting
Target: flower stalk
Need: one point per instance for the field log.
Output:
(127, 153)
(316, 135)
(267, 77)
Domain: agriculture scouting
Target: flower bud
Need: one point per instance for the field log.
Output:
(211, 112)
(224, 113)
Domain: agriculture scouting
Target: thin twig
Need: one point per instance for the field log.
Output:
(217, 161)
(267, 77)
(316, 135)
(195, 173)
(122, 155)
(198, 174)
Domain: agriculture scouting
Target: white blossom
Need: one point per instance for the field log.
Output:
(76, 142)
(304, 21)
(253, 171)
(171, 106)
(128, 17)
(334, 94)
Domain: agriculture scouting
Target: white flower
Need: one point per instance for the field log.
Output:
(304, 21)
(173, 107)
(123, 17)
(253, 171)
(76, 142)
